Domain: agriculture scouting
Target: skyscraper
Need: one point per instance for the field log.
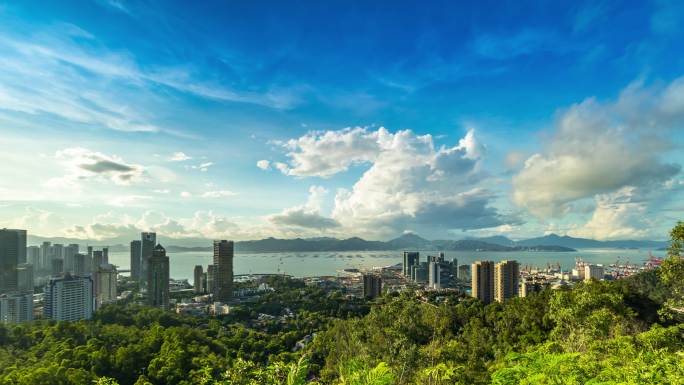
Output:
(70, 252)
(198, 279)
(25, 277)
(89, 260)
(81, 265)
(58, 251)
(33, 256)
(482, 277)
(411, 258)
(98, 259)
(105, 284)
(506, 275)
(158, 278)
(419, 273)
(45, 256)
(440, 272)
(16, 307)
(69, 298)
(147, 244)
(223, 274)
(57, 266)
(22, 246)
(136, 250)
(372, 285)
(211, 279)
(434, 270)
(464, 273)
(12, 247)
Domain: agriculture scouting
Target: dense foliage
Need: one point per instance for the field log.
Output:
(616, 332)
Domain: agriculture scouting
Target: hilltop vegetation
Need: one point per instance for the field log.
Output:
(621, 332)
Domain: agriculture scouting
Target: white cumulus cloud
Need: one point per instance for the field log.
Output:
(409, 183)
(601, 148)
(264, 164)
(306, 216)
(84, 164)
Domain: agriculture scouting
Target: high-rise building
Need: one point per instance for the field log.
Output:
(506, 275)
(33, 256)
(372, 285)
(223, 274)
(16, 307)
(105, 255)
(434, 281)
(205, 283)
(57, 266)
(482, 281)
(411, 258)
(158, 278)
(98, 259)
(596, 272)
(105, 284)
(447, 274)
(25, 277)
(136, 250)
(197, 283)
(22, 246)
(464, 273)
(45, 256)
(211, 279)
(81, 265)
(70, 252)
(57, 251)
(12, 247)
(148, 241)
(441, 273)
(69, 298)
(419, 273)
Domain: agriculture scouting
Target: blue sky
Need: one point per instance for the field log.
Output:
(230, 120)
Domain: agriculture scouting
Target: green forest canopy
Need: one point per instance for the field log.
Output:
(628, 331)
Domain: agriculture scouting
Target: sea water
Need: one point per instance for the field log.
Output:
(306, 264)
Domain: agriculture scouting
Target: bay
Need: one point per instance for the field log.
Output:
(306, 264)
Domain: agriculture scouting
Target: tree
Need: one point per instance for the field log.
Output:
(591, 311)
(298, 372)
(355, 372)
(672, 273)
(676, 240)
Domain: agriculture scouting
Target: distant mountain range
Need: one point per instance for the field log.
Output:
(584, 243)
(407, 241)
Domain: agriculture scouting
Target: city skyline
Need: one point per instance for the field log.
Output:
(119, 118)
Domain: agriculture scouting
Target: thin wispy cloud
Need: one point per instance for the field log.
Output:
(51, 72)
(179, 157)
